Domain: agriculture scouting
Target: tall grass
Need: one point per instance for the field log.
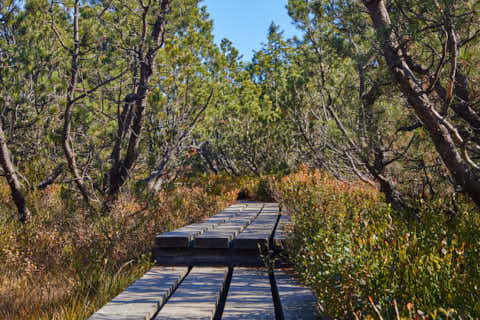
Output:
(68, 261)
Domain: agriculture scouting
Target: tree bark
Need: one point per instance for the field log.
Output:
(12, 178)
(424, 108)
(119, 172)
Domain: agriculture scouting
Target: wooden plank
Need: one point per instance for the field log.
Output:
(144, 297)
(120, 317)
(251, 203)
(280, 235)
(207, 257)
(219, 237)
(197, 296)
(250, 211)
(222, 235)
(297, 301)
(181, 238)
(258, 233)
(271, 206)
(249, 296)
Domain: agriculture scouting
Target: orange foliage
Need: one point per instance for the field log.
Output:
(48, 261)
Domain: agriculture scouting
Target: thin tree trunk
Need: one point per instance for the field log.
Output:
(377, 170)
(67, 127)
(12, 178)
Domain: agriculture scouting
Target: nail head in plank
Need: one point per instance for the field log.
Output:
(197, 296)
(297, 301)
(249, 296)
(143, 298)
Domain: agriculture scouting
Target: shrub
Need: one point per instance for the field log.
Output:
(362, 258)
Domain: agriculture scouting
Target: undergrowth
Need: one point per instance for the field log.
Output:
(362, 259)
(68, 261)
(366, 261)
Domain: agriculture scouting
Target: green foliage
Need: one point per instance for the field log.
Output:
(264, 191)
(351, 248)
(299, 101)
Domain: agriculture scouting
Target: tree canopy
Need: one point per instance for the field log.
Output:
(106, 95)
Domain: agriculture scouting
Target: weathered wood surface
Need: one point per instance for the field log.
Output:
(120, 317)
(230, 238)
(297, 301)
(249, 296)
(258, 233)
(144, 297)
(280, 235)
(181, 238)
(222, 235)
(207, 257)
(197, 296)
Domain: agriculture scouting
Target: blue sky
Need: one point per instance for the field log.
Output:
(246, 22)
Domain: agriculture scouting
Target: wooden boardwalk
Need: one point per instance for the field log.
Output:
(232, 238)
(213, 270)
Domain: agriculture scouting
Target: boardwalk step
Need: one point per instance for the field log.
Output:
(197, 296)
(222, 235)
(259, 231)
(144, 297)
(230, 238)
(297, 301)
(181, 238)
(249, 296)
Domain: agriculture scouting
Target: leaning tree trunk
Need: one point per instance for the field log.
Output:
(12, 178)
(441, 132)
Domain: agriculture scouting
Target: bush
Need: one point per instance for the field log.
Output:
(256, 188)
(362, 258)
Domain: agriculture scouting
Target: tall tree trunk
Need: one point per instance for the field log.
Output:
(439, 130)
(12, 178)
